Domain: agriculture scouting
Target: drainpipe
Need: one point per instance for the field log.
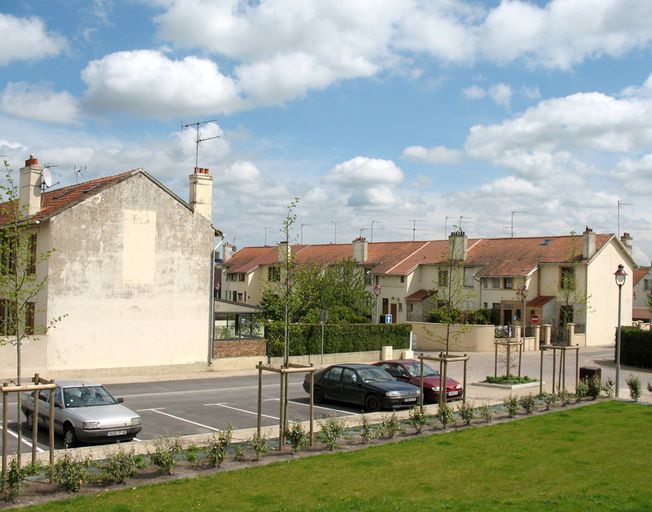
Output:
(211, 315)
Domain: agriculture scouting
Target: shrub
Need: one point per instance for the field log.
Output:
(120, 465)
(330, 431)
(527, 402)
(14, 480)
(564, 397)
(550, 400)
(509, 379)
(649, 387)
(389, 426)
(636, 347)
(366, 432)
(486, 412)
(70, 472)
(608, 387)
(511, 405)
(259, 444)
(218, 445)
(634, 385)
(239, 453)
(467, 412)
(297, 436)
(594, 386)
(418, 419)
(192, 453)
(445, 415)
(581, 390)
(165, 454)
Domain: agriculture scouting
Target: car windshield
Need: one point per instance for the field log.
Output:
(374, 375)
(415, 370)
(87, 396)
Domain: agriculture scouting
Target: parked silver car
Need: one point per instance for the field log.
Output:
(84, 411)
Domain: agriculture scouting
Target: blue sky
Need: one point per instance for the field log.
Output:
(401, 114)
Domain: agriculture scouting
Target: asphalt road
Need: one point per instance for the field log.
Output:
(204, 405)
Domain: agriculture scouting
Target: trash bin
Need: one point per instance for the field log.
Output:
(587, 372)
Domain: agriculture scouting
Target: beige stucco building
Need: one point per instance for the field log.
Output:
(563, 279)
(130, 274)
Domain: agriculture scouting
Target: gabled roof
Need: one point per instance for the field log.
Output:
(56, 201)
(494, 257)
(639, 274)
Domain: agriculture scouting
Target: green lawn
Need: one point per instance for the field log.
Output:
(597, 457)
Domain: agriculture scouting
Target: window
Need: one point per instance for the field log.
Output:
(349, 376)
(509, 283)
(241, 277)
(8, 256)
(495, 282)
(32, 254)
(273, 274)
(567, 278)
(239, 297)
(30, 309)
(647, 285)
(468, 277)
(229, 277)
(400, 307)
(8, 318)
(334, 374)
(402, 279)
(442, 277)
(565, 315)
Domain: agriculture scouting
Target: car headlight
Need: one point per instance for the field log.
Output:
(459, 386)
(393, 393)
(91, 425)
(135, 421)
(436, 388)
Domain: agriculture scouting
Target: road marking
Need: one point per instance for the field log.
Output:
(245, 411)
(202, 391)
(158, 411)
(315, 406)
(14, 434)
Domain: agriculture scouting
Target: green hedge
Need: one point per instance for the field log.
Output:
(306, 338)
(636, 347)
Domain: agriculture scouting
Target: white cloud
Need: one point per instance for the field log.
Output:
(501, 94)
(39, 102)
(363, 171)
(434, 155)
(146, 82)
(27, 39)
(474, 92)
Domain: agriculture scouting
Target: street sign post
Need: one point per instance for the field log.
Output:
(388, 318)
(535, 319)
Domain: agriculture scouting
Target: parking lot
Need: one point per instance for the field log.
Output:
(197, 404)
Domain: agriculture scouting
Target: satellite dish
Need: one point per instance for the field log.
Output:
(47, 178)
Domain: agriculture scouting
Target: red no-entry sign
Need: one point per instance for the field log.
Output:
(535, 319)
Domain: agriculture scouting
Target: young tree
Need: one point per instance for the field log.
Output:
(19, 283)
(571, 298)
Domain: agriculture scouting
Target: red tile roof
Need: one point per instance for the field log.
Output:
(641, 314)
(639, 274)
(494, 256)
(420, 295)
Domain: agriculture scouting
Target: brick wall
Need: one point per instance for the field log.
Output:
(239, 348)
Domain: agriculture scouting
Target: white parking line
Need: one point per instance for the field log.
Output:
(243, 410)
(316, 406)
(14, 434)
(182, 419)
(195, 392)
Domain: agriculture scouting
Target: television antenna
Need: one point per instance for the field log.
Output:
(461, 218)
(78, 172)
(620, 205)
(414, 229)
(514, 212)
(198, 138)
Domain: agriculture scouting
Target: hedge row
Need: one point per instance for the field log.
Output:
(636, 347)
(306, 338)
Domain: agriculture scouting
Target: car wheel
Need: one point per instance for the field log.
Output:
(318, 395)
(29, 419)
(372, 403)
(69, 437)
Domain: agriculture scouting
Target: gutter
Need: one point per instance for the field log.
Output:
(211, 315)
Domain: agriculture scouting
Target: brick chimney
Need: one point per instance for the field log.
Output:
(201, 192)
(588, 247)
(457, 246)
(360, 249)
(627, 241)
(29, 194)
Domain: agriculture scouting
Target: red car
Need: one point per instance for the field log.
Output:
(409, 370)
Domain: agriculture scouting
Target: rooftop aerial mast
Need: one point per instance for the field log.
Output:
(198, 138)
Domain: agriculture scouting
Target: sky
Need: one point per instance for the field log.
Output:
(388, 119)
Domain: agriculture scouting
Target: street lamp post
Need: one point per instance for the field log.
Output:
(620, 275)
(376, 294)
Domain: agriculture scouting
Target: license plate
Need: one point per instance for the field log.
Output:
(410, 400)
(453, 393)
(113, 433)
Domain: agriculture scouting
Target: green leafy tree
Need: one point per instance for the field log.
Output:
(339, 289)
(19, 282)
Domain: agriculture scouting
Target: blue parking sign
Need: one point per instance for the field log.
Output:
(388, 318)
